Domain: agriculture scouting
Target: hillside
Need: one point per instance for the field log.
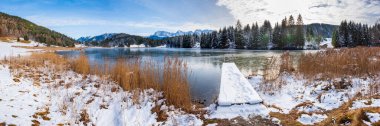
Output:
(97, 38)
(325, 30)
(13, 26)
(122, 40)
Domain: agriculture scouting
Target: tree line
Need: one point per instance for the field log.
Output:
(351, 34)
(290, 33)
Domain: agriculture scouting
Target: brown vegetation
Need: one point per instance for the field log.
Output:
(81, 64)
(133, 74)
(359, 61)
(175, 84)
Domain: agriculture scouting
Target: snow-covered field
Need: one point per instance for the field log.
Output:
(52, 98)
(313, 97)
(8, 49)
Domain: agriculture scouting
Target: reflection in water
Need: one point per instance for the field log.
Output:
(204, 65)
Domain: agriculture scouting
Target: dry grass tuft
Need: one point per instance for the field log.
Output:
(80, 64)
(133, 74)
(286, 63)
(360, 61)
(175, 83)
(271, 69)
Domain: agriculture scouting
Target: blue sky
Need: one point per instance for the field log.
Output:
(78, 18)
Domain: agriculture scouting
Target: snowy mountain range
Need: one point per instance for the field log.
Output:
(165, 34)
(156, 36)
(97, 38)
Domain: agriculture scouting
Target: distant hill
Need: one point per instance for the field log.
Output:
(13, 26)
(164, 34)
(325, 30)
(97, 38)
(123, 40)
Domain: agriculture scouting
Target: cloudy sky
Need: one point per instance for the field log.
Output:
(78, 18)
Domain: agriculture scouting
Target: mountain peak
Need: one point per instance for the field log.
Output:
(97, 38)
(165, 34)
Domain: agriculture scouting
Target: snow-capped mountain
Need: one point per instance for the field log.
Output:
(97, 38)
(165, 34)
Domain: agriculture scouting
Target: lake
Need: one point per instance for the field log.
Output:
(204, 64)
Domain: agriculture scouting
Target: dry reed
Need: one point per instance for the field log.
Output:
(80, 64)
(360, 61)
(175, 83)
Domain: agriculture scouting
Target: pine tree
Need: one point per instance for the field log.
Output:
(26, 38)
(284, 34)
(300, 38)
(291, 21)
(247, 35)
(277, 37)
(224, 44)
(214, 39)
(335, 41)
(265, 35)
(256, 36)
(231, 37)
(309, 34)
(239, 36)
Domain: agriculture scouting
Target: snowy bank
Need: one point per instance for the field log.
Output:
(45, 96)
(9, 49)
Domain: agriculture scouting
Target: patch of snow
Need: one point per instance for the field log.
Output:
(197, 45)
(8, 49)
(80, 45)
(235, 88)
(277, 121)
(137, 46)
(310, 120)
(327, 41)
(365, 103)
(373, 117)
(321, 95)
(244, 110)
(161, 46)
(309, 109)
(214, 124)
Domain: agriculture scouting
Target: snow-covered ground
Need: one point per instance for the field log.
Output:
(373, 117)
(365, 103)
(327, 41)
(244, 110)
(137, 46)
(52, 98)
(311, 119)
(312, 97)
(161, 46)
(8, 48)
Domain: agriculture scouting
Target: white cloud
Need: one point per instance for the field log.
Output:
(313, 11)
